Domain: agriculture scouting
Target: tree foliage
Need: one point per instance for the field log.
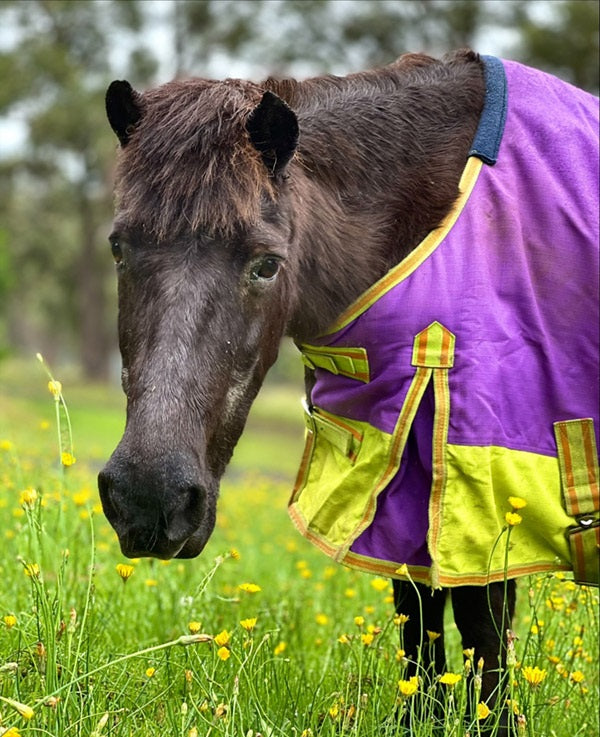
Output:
(57, 57)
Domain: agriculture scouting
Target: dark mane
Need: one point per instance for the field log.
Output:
(190, 163)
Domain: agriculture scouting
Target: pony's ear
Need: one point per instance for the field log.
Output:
(273, 130)
(123, 109)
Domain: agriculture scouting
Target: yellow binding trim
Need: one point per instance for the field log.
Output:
(414, 259)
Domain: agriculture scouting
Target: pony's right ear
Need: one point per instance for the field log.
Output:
(123, 109)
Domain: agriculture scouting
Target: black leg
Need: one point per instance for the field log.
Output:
(483, 615)
(424, 614)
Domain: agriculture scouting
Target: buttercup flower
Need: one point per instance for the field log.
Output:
(408, 688)
(150, 672)
(483, 710)
(534, 676)
(450, 679)
(223, 653)
(125, 571)
(512, 519)
(250, 588)
(249, 624)
(222, 638)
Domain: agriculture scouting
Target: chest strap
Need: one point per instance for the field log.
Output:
(578, 462)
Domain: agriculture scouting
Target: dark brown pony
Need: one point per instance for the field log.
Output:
(246, 212)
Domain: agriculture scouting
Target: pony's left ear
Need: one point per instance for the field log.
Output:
(123, 109)
(273, 130)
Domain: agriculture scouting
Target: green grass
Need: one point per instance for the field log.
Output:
(94, 655)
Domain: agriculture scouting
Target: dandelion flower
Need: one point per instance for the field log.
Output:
(483, 710)
(25, 711)
(512, 519)
(11, 732)
(516, 502)
(401, 619)
(408, 688)
(359, 621)
(249, 624)
(577, 676)
(343, 640)
(32, 570)
(28, 497)
(222, 638)
(279, 648)
(400, 654)
(223, 653)
(433, 636)
(6, 445)
(150, 672)
(125, 571)
(250, 588)
(235, 554)
(9, 620)
(380, 584)
(350, 593)
(321, 619)
(450, 679)
(534, 676)
(367, 638)
(403, 570)
(55, 388)
(194, 627)
(67, 459)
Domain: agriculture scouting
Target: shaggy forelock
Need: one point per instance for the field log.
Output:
(190, 165)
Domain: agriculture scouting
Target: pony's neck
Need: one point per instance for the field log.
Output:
(378, 166)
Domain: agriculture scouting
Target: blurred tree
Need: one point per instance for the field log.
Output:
(57, 204)
(57, 57)
(564, 42)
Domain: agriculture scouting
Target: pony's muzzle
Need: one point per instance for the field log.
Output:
(153, 517)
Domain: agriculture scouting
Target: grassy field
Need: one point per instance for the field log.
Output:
(261, 635)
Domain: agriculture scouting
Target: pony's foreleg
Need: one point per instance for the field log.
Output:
(483, 614)
(425, 611)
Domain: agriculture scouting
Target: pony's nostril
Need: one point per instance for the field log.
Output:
(187, 513)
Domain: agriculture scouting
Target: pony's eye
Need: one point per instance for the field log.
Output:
(265, 269)
(116, 251)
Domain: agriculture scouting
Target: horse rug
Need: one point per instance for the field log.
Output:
(463, 385)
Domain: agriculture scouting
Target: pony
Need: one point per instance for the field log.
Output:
(246, 212)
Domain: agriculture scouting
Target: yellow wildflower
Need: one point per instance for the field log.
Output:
(28, 497)
(222, 638)
(67, 459)
(400, 654)
(55, 388)
(125, 571)
(359, 621)
(350, 593)
(367, 638)
(534, 676)
(250, 588)
(6, 445)
(450, 679)
(249, 624)
(25, 711)
(32, 570)
(408, 688)
(401, 619)
(483, 710)
(9, 620)
(433, 636)
(403, 570)
(194, 627)
(516, 502)
(235, 554)
(279, 648)
(321, 619)
(334, 710)
(344, 640)
(223, 653)
(380, 584)
(577, 676)
(512, 519)
(11, 732)
(150, 672)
